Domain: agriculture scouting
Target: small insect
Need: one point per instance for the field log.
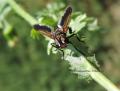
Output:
(59, 35)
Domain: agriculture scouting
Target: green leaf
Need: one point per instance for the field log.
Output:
(48, 21)
(78, 23)
(8, 29)
(93, 25)
(79, 66)
(35, 34)
(49, 47)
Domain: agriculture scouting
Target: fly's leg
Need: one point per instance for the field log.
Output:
(59, 49)
(70, 30)
(81, 42)
(72, 34)
(63, 56)
(53, 45)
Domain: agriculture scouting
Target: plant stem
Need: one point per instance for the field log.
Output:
(101, 79)
(92, 71)
(21, 12)
(97, 76)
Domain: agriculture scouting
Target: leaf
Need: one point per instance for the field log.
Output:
(8, 29)
(34, 34)
(93, 25)
(3, 12)
(49, 47)
(78, 23)
(47, 21)
(79, 66)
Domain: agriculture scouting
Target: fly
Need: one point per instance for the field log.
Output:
(59, 35)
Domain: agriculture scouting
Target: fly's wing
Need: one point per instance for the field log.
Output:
(64, 22)
(45, 30)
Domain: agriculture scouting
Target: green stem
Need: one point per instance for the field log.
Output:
(97, 76)
(92, 71)
(21, 12)
(101, 79)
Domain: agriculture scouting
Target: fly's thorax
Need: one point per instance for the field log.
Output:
(60, 38)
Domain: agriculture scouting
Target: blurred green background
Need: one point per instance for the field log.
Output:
(25, 65)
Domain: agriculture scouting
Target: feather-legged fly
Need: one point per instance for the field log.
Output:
(59, 35)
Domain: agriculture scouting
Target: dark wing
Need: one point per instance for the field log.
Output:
(45, 30)
(66, 19)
